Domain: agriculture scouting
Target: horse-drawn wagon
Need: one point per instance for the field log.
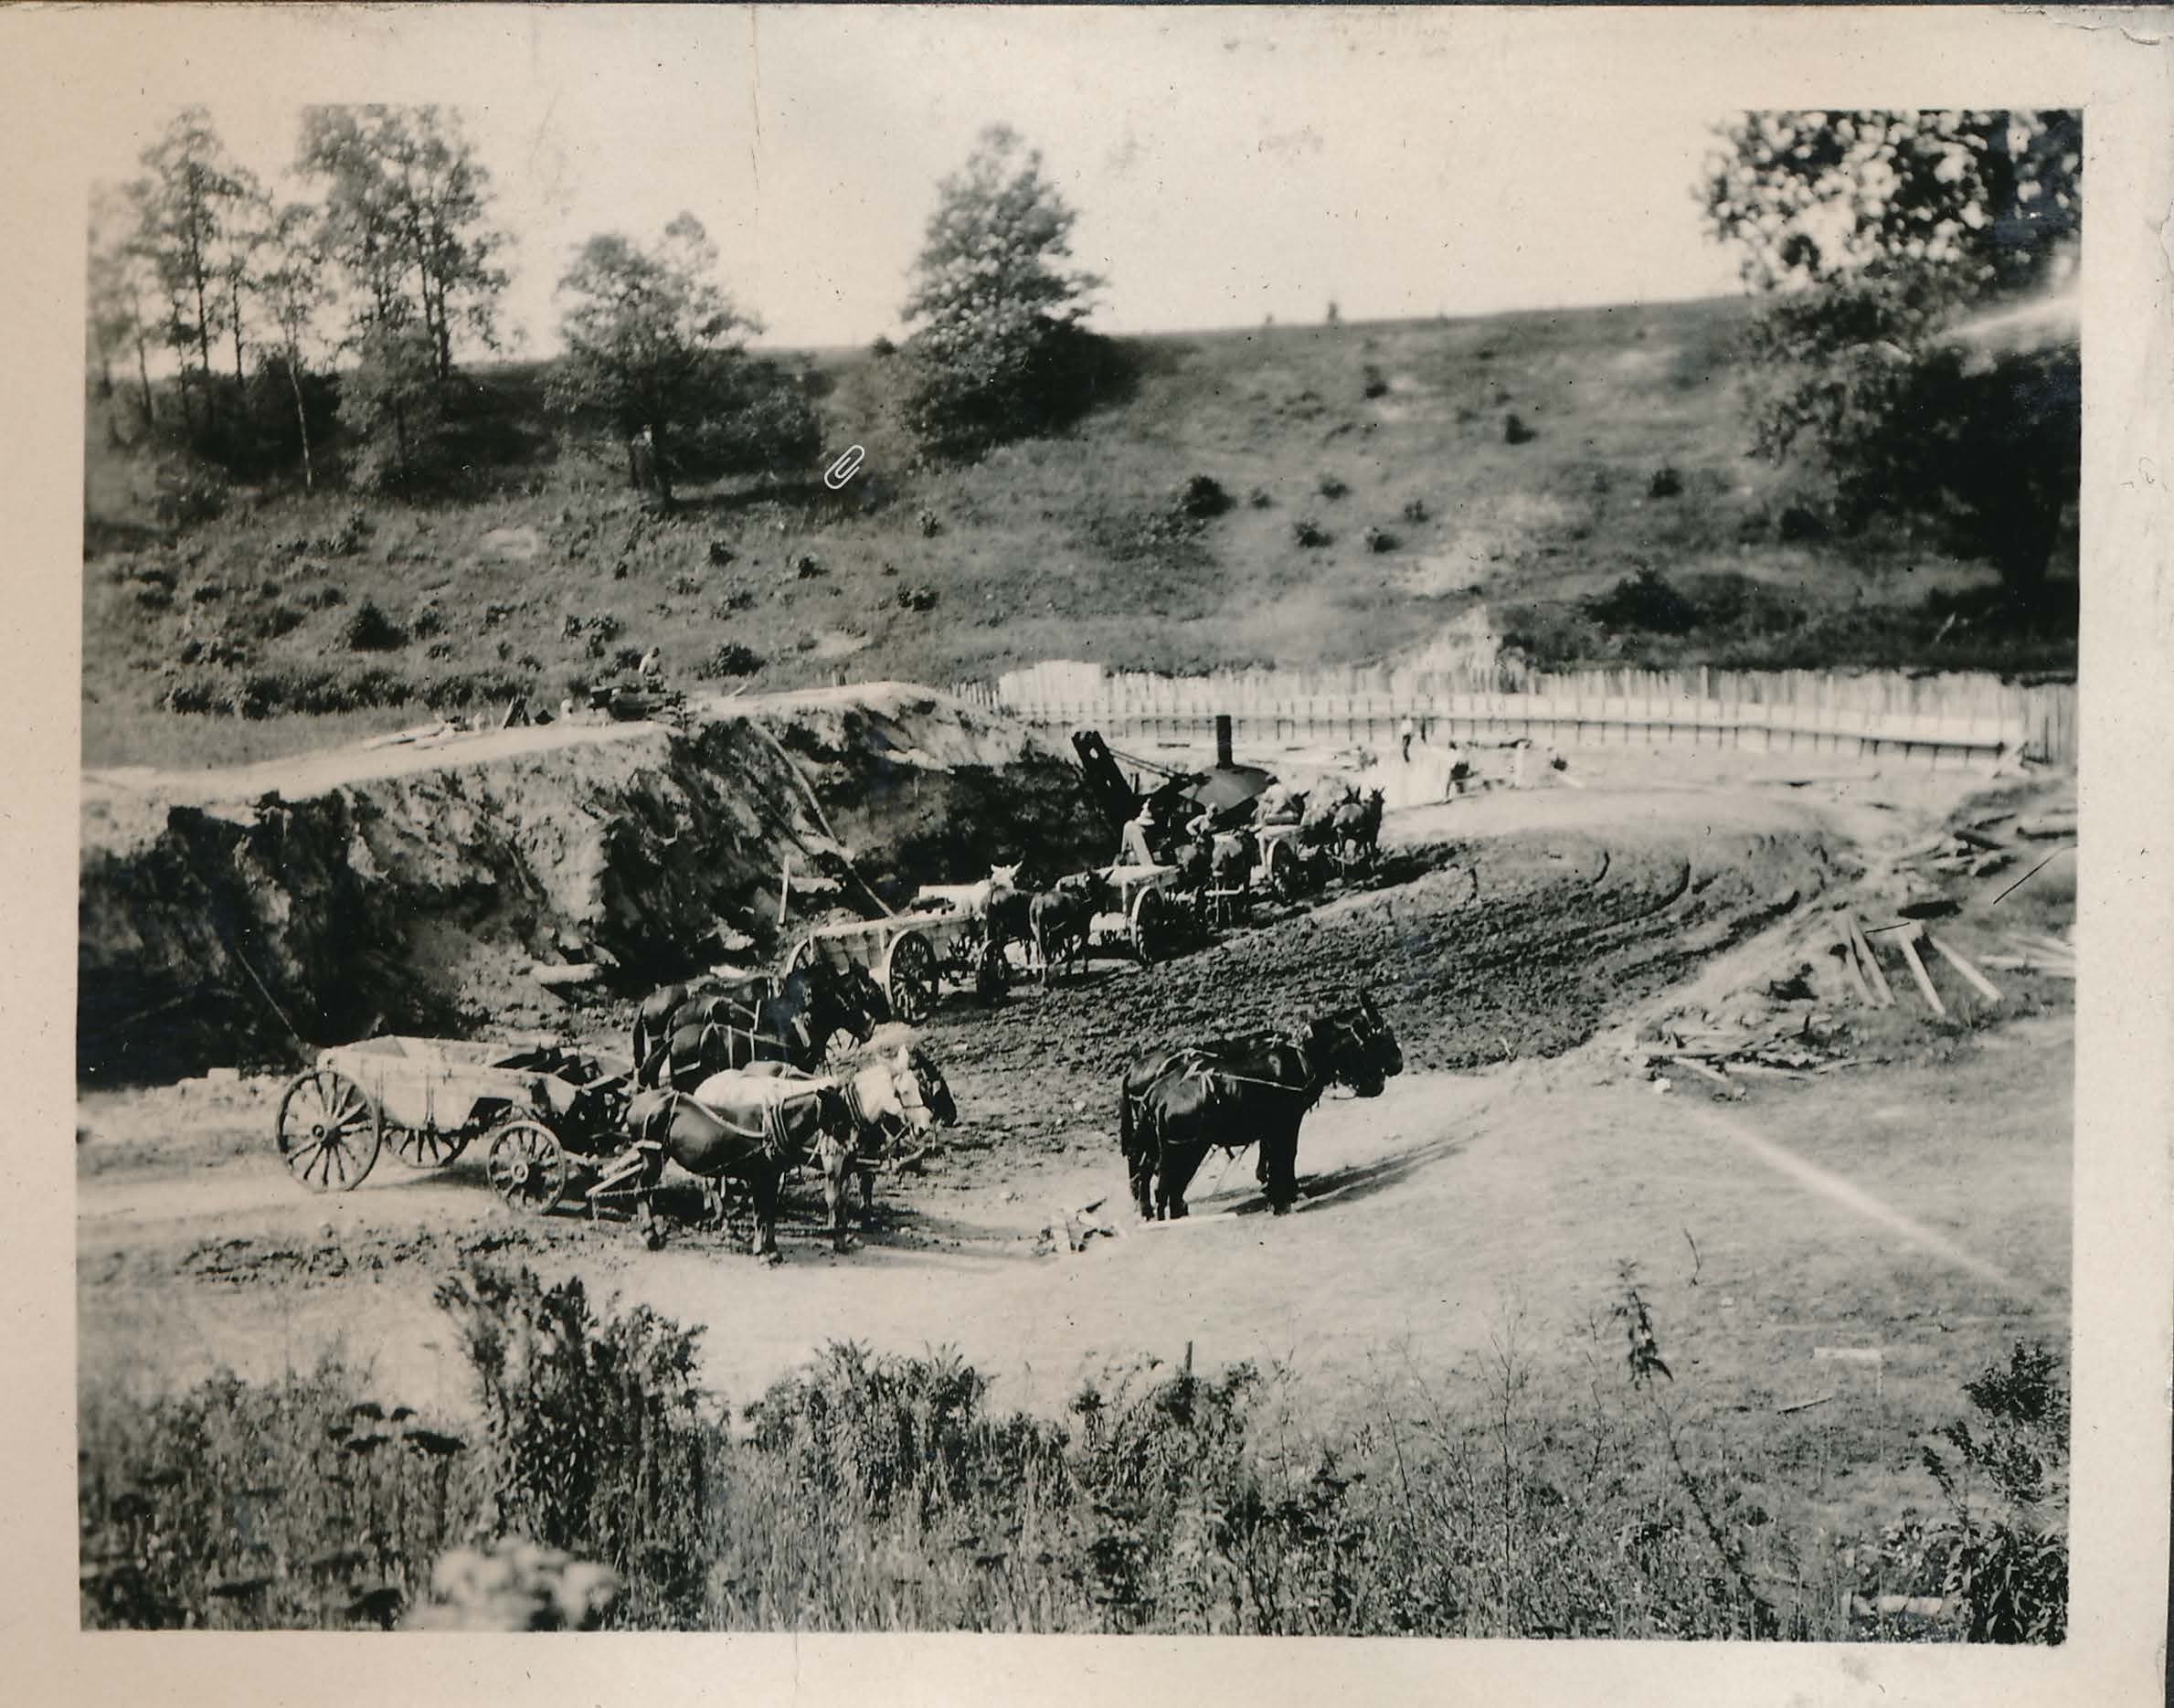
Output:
(909, 955)
(548, 1112)
(1151, 914)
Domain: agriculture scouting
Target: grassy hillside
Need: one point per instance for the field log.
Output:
(1626, 455)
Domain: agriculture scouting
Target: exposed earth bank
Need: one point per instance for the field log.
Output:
(227, 917)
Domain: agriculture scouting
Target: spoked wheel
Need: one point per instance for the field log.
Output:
(839, 1047)
(992, 973)
(528, 1167)
(1155, 927)
(910, 977)
(329, 1131)
(427, 1147)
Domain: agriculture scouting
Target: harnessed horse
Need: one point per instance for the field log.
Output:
(899, 1093)
(791, 1020)
(1175, 1106)
(750, 1128)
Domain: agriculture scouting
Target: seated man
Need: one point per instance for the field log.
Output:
(1134, 844)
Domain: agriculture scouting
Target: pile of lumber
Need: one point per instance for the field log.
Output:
(1783, 1048)
(1977, 849)
(1853, 946)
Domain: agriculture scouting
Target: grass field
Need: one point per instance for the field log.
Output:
(1629, 456)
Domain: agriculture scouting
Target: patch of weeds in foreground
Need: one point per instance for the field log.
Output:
(875, 1491)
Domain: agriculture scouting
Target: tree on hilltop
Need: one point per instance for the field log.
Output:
(999, 345)
(404, 219)
(656, 353)
(1886, 243)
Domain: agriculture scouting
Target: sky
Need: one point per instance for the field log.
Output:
(1225, 166)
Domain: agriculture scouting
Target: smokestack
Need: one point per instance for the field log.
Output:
(1223, 739)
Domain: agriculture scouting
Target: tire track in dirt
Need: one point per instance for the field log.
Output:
(1522, 945)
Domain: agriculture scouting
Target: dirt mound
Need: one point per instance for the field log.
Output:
(226, 917)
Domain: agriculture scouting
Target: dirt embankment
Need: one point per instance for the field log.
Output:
(224, 914)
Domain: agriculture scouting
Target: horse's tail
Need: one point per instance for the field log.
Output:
(1125, 1118)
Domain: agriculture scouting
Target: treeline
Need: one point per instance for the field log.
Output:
(351, 307)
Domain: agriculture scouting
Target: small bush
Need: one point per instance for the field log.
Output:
(1332, 486)
(806, 565)
(1380, 540)
(1645, 601)
(439, 649)
(427, 621)
(1377, 382)
(369, 630)
(1515, 431)
(721, 554)
(730, 659)
(1259, 499)
(930, 523)
(1414, 510)
(738, 600)
(1203, 498)
(917, 598)
(1308, 532)
(686, 586)
(1666, 483)
(883, 348)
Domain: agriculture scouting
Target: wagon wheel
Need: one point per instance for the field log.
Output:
(329, 1130)
(910, 978)
(1286, 876)
(528, 1167)
(803, 955)
(992, 972)
(1154, 927)
(839, 1047)
(428, 1147)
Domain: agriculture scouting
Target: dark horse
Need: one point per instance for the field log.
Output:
(1060, 916)
(751, 1128)
(1175, 1106)
(790, 1018)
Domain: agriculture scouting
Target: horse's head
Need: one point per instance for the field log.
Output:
(1357, 1047)
(1004, 877)
(933, 1090)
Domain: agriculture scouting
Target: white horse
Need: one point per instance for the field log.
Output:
(895, 1093)
(972, 898)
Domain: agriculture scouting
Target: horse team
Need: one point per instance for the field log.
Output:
(729, 1081)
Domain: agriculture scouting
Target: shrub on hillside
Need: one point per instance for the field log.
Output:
(1414, 510)
(1515, 431)
(1202, 498)
(1666, 483)
(1644, 601)
(369, 630)
(1333, 487)
(1380, 540)
(730, 659)
(1377, 382)
(1308, 532)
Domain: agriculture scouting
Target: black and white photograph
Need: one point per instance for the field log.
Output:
(1131, 822)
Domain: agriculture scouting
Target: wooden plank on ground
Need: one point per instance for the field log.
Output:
(1977, 980)
(1871, 961)
(1907, 942)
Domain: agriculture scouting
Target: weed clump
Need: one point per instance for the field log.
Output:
(1310, 533)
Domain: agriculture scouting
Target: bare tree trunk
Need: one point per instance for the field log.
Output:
(144, 378)
(302, 420)
(234, 308)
